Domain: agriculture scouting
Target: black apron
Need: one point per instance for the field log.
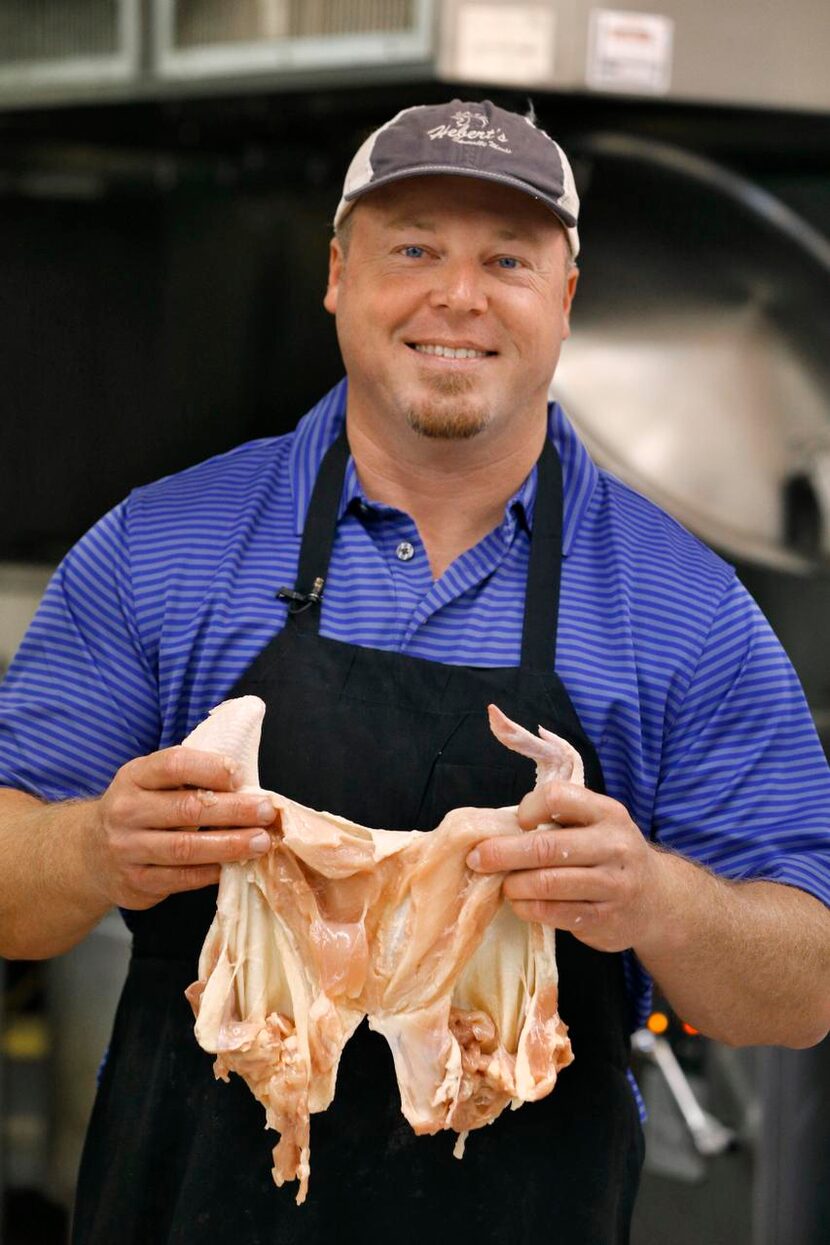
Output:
(174, 1157)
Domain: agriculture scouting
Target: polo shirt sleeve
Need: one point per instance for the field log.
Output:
(80, 698)
(744, 785)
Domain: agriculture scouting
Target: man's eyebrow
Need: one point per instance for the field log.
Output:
(411, 222)
(428, 226)
(520, 235)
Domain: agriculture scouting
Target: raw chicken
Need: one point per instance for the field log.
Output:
(338, 922)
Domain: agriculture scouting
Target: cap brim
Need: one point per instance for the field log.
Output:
(428, 170)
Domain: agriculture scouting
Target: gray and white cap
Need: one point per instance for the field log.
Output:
(466, 140)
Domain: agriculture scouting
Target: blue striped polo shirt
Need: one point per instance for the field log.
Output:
(696, 714)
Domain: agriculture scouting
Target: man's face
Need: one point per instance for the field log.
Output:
(452, 302)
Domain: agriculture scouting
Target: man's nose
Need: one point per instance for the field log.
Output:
(460, 286)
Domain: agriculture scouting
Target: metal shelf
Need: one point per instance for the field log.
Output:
(96, 51)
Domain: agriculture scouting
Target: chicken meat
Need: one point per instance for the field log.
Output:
(338, 922)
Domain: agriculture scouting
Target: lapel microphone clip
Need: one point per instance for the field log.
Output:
(300, 601)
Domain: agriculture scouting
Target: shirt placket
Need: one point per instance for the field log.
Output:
(417, 596)
(464, 575)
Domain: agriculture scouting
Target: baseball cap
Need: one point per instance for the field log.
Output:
(466, 140)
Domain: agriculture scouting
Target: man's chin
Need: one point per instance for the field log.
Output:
(446, 423)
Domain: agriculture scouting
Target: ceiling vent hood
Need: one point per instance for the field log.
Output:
(199, 38)
(745, 52)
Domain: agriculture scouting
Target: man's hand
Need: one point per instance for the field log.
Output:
(745, 962)
(593, 873)
(144, 843)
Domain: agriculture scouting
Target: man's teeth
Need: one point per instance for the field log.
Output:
(449, 352)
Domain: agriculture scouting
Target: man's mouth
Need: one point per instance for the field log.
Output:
(450, 352)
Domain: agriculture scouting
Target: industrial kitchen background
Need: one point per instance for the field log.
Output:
(168, 171)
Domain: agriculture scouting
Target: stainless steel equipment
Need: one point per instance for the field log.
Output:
(55, 49)
(744, 52)
(132, 49)
(699, 367)
(210, 38)
(749, 52)
(708, 1134)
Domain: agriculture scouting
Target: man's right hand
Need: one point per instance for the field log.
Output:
(145, 843)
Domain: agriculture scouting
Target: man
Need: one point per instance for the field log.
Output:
(379, 591)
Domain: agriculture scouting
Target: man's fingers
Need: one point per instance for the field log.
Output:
(557, 885)
(169, 810)
(183, 767)
(539, 849)
(193, 849)
(563, 802)
(580, 918)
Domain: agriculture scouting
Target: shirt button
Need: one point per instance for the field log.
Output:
(405, 551)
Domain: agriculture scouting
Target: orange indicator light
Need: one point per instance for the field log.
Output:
(690, 1029)
(658, 1022)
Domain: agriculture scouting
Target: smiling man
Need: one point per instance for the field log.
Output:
(452, 299)
(432, 538)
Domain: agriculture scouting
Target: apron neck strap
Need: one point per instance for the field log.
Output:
(318, 537)
(545, 569)
(542, 593)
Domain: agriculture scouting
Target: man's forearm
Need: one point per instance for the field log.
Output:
(745, 962)
(49, 897)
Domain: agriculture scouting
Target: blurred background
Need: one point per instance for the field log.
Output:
(168, 173)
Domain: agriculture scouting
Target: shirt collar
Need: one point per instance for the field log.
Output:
(318, 429)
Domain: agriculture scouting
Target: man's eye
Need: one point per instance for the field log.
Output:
(508, 261)
(413, 252)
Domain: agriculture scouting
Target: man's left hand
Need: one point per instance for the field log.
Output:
(592, 873)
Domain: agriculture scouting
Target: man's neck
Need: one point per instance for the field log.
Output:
(455, 492)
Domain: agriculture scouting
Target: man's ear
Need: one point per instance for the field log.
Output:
(336, 262)
(567, 299)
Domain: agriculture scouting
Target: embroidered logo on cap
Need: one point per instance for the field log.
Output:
(471, 130)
